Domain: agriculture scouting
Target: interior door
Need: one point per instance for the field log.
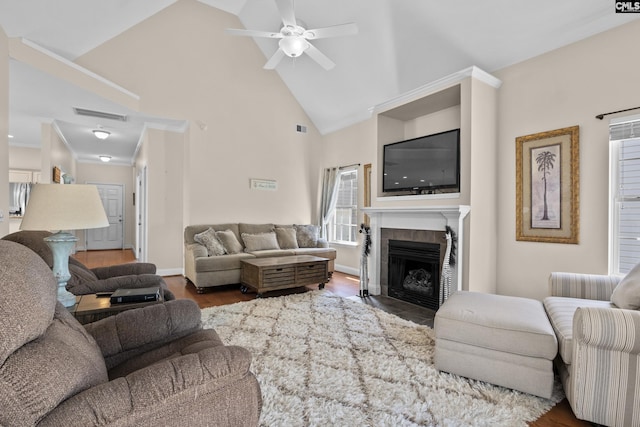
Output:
(111, 237)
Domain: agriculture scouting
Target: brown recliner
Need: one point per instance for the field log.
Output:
(153, 366)
(91, 280)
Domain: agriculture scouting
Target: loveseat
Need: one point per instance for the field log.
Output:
(213, 252)
(597, 323)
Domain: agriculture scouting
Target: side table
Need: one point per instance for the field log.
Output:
(89, 308)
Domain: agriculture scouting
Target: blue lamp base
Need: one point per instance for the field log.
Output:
(62, 244)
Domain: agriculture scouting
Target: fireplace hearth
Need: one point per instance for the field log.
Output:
(414, 272)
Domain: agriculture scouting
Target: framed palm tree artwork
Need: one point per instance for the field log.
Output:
(547, 186)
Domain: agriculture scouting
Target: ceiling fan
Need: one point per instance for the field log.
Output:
(294, 38)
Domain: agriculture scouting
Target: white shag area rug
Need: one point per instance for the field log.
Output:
(324, 360)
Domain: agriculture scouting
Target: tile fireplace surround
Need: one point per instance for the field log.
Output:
(432, 218)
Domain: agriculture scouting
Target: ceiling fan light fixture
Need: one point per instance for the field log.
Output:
(101, 134)
(293, 46)
(105, 158)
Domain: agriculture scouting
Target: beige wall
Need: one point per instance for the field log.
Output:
(4, 130)
(563, 88)
(161, 153)
(355, 144)
(242, 122)
(24, 158)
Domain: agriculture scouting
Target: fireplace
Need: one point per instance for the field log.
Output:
(419, 224)
(414, 272)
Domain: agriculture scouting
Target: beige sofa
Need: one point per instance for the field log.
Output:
(205, 268)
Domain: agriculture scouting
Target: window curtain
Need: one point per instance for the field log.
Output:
(328, 198)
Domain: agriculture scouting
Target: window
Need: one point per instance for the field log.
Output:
(625, 197)
(344, 223)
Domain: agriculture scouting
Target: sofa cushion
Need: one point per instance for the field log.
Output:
(286, 237)
(627, 293)
(259, 241)
(221, 263)
(209, 240)
(191, 230)
(229, 241)
(307, 235)
(255, 228)
(271, 253)
(560, 311)
(329, 253)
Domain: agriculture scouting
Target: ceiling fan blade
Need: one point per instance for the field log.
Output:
(253, 33)
(319, 57)
(274, 60)
(349, 29)
(286, 12)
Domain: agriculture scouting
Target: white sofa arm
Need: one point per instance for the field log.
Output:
(585, 286)
(604, 387)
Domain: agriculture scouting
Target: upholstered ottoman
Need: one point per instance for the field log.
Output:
(503, 340)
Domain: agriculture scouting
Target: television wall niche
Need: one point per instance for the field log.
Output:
(428, 164)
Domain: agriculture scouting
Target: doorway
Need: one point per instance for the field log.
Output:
(111, 237)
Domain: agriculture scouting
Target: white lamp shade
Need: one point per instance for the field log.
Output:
(64, 207)
(293, 46)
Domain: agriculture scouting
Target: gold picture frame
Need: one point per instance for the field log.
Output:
(548, 186)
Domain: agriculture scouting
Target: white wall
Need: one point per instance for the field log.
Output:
(567, 87)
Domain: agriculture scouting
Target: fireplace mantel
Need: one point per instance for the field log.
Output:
(416, 218)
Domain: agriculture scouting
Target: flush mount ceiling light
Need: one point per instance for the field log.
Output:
(105, 158)
(101, 134)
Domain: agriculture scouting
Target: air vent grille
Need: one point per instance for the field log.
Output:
(99, 114)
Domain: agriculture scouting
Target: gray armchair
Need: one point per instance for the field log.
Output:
(91, 280)
(164, 371)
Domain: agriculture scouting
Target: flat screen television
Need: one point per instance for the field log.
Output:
(426, 164)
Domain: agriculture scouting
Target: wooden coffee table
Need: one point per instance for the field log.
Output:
(270, 274)
(90, 308)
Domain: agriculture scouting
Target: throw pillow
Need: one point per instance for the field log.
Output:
(209, 240)
(259, 241)
(287, 238)
(627, 293)
(229, 241)
(307, 235)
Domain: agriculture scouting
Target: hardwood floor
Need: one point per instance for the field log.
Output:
(341, 284)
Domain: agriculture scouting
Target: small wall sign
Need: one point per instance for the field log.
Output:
(263, 184)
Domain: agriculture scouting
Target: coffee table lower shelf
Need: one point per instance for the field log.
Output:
(270, 274)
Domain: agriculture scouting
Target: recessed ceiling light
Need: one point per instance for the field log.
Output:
(10, 136)
(105, 158)
(101, 134)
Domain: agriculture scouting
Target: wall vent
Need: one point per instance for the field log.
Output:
(301, 128)
(99, 114)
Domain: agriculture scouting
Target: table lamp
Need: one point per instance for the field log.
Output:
(59, 207)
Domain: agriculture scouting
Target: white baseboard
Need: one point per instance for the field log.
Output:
(347, 270)
(170, 272)
(84, 248)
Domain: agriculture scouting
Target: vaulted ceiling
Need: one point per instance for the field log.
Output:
(401, 45)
